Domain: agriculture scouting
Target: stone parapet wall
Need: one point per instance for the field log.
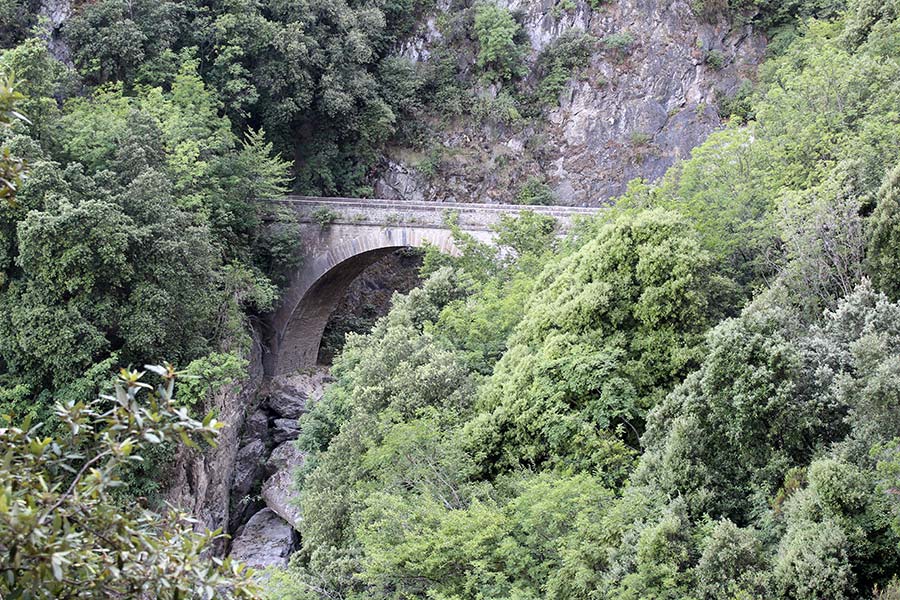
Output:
(469, 216)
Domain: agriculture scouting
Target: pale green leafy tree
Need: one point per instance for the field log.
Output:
(12, 169)
(62, 535)
(499, 54)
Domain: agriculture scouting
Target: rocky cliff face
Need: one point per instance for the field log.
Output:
(244, 485)
(264, 517)
(57, 12)
(630, 113)
(200, 481)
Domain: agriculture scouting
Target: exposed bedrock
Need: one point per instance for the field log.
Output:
(626, 115)
(264, 516)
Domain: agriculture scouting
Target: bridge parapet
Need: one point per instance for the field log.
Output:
(392, 213)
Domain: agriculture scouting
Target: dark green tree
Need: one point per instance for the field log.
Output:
(615, 326)
(883, 252)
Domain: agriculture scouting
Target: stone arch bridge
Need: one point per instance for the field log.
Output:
(343, 236)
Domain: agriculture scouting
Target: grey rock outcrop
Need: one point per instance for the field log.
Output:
(286, 401)
(266, 540)
(629, 114)
(278, 494)
(277, 491)
(200, 481)
(284, 430)
(248, 468)
(311, 384)
(57, 12)
(256, 426)
(262, 494)
(285, 456)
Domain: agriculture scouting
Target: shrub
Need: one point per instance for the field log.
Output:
(448, 94)
(614, 326)
(210, 374)
(884, 237)
(429, 165)
(535, 192)
(16, 18)
(563, 6)
(640, 138)
(739, 104)
(891, 592)
(500, 56)
(62, 535)
(12, 169)
(502, 109)
(715, 59)
(556, 63)
(324, 216)
(620, 43)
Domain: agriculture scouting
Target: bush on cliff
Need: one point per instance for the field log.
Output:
(62, 532)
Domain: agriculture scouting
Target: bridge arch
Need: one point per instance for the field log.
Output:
(358, 233)
(322, 280)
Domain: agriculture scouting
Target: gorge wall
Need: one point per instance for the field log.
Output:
(633, 110)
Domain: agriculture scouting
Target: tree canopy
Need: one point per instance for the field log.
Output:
(694, 395)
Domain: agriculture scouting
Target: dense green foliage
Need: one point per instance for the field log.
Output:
(884, 236)
(62, 533)
(692, 397)
(136, 233)
(555, 65)
(316, 76)
(614, 326)
(12, 168)
(499, 54)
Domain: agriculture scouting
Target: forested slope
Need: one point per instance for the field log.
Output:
(694, 395)
(697, 397)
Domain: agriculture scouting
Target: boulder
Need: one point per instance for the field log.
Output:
(284, 430)
(287, 401)
(277, 490)
(249, 467)
(265, 541)
(285, 456)
(278, 493)
(256, 427)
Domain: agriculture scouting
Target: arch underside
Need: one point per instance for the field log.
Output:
(322, 283)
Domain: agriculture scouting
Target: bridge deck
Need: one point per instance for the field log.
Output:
(361, 212)
(378, 203)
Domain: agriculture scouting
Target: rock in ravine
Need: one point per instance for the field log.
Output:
(287, 401)
(284, 430)
(248, 468)
(285, 456)
(256, 427)
(265, 541)
(278, 493)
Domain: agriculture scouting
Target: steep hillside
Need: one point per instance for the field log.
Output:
(648, 88)
(691, 394)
